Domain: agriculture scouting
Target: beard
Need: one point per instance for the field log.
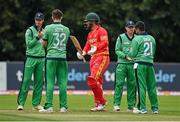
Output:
(88, 25)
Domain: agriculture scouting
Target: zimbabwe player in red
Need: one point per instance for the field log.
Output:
(97, 47)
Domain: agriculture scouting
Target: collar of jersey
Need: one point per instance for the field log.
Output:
(129, 37)
(56, 22)
(35, 27)
(142, 33)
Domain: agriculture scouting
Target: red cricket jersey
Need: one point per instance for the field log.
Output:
(98, 38)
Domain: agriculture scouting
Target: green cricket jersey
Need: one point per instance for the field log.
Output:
(143, 48)
(123, 47)
(56, 36)
(34, 46)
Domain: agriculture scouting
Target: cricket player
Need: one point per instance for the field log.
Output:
(143, 51)
(124, 69)
(97, 47)
(55, 39)
(34, 64)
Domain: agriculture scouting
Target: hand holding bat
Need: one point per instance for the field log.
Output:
(78, 47)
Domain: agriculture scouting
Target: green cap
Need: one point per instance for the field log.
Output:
(92, 17)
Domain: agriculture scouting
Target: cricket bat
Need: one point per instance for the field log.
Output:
(77, 46)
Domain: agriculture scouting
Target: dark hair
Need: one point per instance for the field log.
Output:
(57, 14)
(140, 25)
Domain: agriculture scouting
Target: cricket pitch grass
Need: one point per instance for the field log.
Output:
(78, 110)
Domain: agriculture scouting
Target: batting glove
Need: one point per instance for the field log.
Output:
(80, 56)
(92, 50)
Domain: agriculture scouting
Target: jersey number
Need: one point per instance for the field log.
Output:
(59, 42)
(148, 48)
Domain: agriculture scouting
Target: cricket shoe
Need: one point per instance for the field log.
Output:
(48, 110)
(143, 111)
(101, 107)
(136, 111)
(63, 110)
(20, 108)
(94, 109)
(155, 111)
(116, 109)
(132, 109)
(39, 107)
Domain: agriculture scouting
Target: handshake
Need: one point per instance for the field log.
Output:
(90, 52)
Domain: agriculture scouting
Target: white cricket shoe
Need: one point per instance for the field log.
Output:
(101, 107)
(48, 110)
(116, 108)
(39, 107)
(20, 108)
(94, 109)
(142, 111)
(63, 110)
(132, 109)
(136, 111)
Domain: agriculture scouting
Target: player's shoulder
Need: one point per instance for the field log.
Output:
(137, 38)
(65, 27)
(150, 36)
(122, 34)
(29, 29)
(102, 30)
(48, 26)
(152, 39)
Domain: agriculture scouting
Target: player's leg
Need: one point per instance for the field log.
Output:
(62, 78)
(102, 101)
(131, 87)
(97, 66)
(91, 86)
(140, 74)
(119, 83)
(151, 88)
(103, 64)
(50, 80)
(27, 75)
(38, 83)
(100, 81)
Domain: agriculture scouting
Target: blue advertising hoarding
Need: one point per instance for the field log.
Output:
(167, 75)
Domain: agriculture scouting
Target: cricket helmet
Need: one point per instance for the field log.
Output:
(92, 17)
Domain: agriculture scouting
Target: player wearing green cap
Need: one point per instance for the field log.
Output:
(143, 51)
(34, 64)
(97, 47)
(55, 39)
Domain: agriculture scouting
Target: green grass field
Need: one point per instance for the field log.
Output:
(169, 108)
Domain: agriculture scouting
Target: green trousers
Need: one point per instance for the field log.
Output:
(56, 69)
(125, 71)
(145, 78)
(33, 66)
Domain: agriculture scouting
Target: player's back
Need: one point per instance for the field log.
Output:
(57, 36)
(146, 48)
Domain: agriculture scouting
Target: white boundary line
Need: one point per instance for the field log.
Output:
(88, 92)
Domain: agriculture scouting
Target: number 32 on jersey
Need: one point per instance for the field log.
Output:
(59, 41)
